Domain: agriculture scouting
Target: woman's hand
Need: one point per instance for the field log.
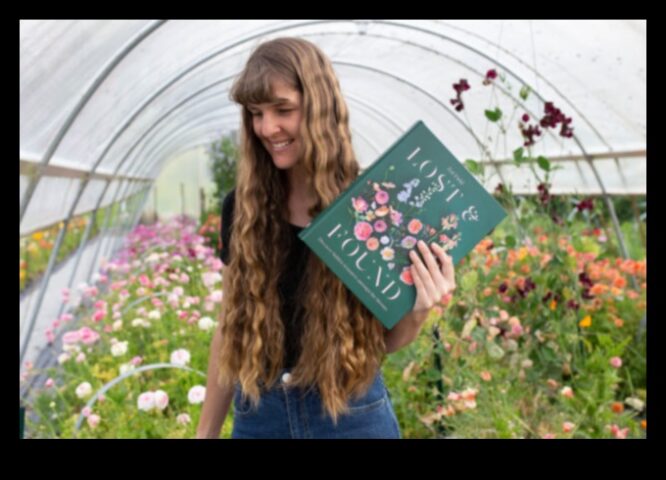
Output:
(432, 282)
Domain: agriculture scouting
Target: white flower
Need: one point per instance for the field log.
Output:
(152, 258)
(71, 348)
(117, 325)
(216, 296)
(81, 357)
(161, 399)
(93, 420)
(635, 403)
(146, 401)
(196, 395)
(211, 278)
(206, 323)
(183, 419)
(140, 322)
(154, 315)
(186, 304)
(63, 357)
(119, 348)
(180, 357)
(84, 390)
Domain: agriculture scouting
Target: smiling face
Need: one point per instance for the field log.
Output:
(277, 124)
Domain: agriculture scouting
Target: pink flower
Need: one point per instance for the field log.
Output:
(183, 419)
(93, 420)
(548, 436)
(136, 361)
(50, 336)
(414, 226)
(66, 317)
(145, 281)
(567, 392)
(380, 226)
(619, 433)
(362, 231)
(98, 316)
(71, 337)
(49, 383)
(88, 335)
(396, 217)
(568, 427)
(359, 204)
(616, 362)
(86, 411)
(161, 399)
(381, 197)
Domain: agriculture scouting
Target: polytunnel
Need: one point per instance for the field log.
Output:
(106, 105)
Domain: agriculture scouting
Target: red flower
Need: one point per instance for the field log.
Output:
(459, 88)
(490, 76)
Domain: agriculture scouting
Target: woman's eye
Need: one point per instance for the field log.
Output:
(284, 111)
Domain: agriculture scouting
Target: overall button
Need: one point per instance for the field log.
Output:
(286, 377)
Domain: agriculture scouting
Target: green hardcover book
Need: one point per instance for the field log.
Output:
(416, 190)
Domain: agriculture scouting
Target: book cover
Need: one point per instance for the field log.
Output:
(416, 190)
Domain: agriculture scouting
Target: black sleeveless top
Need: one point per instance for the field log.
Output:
(290, 310)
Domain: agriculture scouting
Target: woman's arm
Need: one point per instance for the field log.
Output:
(405, 331)
(217, 401)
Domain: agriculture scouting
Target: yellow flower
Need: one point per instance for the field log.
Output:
(522, 253)
(37, 236)
(586, 322)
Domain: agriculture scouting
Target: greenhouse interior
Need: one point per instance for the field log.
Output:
(131, 140)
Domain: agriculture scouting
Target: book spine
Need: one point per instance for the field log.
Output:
(311, 227)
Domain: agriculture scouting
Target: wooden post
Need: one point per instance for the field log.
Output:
(202, 202)
(155, 203)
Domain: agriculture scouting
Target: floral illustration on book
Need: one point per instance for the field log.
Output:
(388, 222)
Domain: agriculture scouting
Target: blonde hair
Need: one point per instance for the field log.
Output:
(342, 345)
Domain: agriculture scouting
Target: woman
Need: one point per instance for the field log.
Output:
(297, 353)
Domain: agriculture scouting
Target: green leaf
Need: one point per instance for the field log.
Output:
(518, 155)
(469, 326)
(544, 163)
(475, 168)
(469, 281)
(524, 92)
(493, 115)
(510, 241)
(494, 350)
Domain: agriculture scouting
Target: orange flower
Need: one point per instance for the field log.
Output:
(644, 424)
(598, 289)
(617, 407)
(553, 305)
(618, 322)
(619, 282)
(525, 269)
(586, 322)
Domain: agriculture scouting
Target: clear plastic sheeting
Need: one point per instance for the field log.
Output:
(114, 101)
(393, 71)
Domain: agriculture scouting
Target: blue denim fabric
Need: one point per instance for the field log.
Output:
(291, 412)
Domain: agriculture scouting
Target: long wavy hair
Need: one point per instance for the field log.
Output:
(342, 343)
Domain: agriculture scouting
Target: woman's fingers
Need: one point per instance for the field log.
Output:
(431, 263)
(447, 264)
(428, 286)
